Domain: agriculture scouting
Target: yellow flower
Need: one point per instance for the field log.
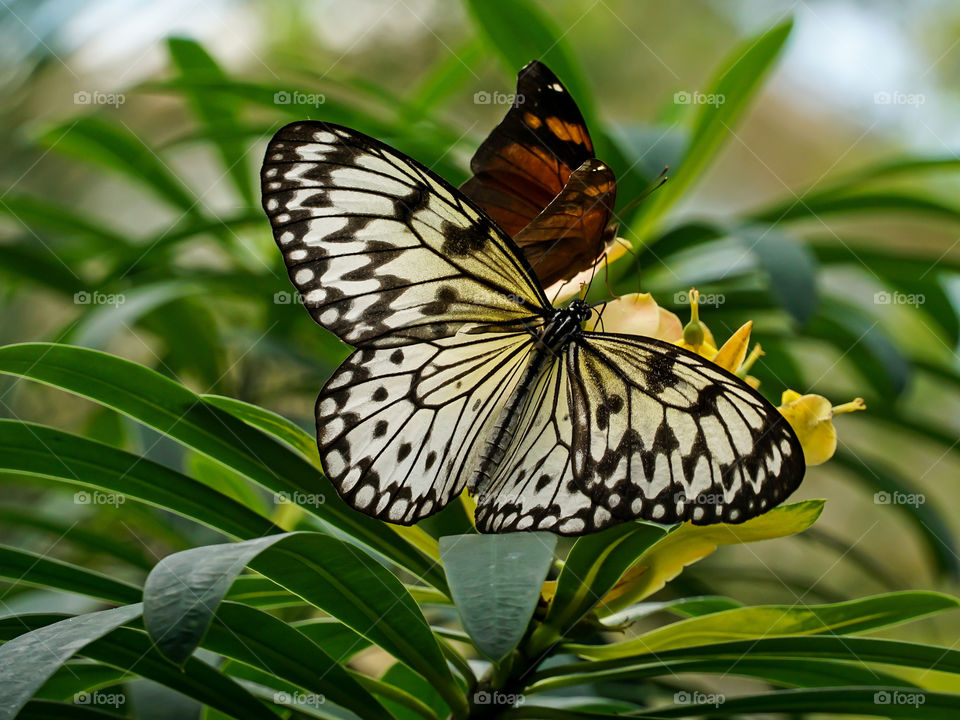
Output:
(811, 418)
(696, 335)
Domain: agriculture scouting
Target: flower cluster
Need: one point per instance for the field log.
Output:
(810, 416)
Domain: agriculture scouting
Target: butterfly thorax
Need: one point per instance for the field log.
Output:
(565, 323)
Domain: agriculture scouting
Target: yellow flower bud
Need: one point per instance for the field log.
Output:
(811, 417)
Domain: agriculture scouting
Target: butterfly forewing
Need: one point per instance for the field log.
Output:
(665, 435)
(529, 156)
(382, 250)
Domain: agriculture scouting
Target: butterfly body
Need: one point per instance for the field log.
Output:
(466, 377)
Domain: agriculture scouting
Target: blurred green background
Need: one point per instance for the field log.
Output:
(819, 199)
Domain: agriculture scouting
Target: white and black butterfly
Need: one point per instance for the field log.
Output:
(465, 376)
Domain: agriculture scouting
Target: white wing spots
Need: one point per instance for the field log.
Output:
(272, 204)
(286, 237)
(303, 276)
(364, 496)
(556, 87)
(297, 255)
(324, 137)
(689, 436)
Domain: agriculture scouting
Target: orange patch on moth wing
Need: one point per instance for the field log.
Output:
(532, 120)
(567, 131)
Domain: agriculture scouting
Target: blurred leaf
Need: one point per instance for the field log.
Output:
(930, 524)
(26, 567)
(495, 581)
(41, 265)
(193, 61)
(789, 265)
(90, 541)
(862, 344)
(819, 204)
(446, 78)
(95, 140)
(41, 216)
(853, 616)
(39, 450)
(520, 32)
(736, 83)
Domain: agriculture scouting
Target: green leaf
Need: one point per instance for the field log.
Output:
(592, 568)
(22, 566)
(889, 702)
(27, 661)
(43, 217)
(736, 83)
(125, 647)
(50, 453)
(495, 581)
(90, 541)
(789, 265)
(215, 111)
(182, 415)
(277, 425)
(263, 641)
(893, 653)
(830, 203)
(46, 710)
(853, 616)
(416, 689)
(182, 592)
(95, 140)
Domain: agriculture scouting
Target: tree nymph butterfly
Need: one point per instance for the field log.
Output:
(464, 374)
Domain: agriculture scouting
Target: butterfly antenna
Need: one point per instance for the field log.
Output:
(651, 187)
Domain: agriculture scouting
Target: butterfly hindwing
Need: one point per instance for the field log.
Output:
(382, 250)
(624, 428)
(664, 435)
(528, 158)
(400, 428)
(571, 232)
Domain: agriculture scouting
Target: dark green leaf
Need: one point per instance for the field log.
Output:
(495, 581)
